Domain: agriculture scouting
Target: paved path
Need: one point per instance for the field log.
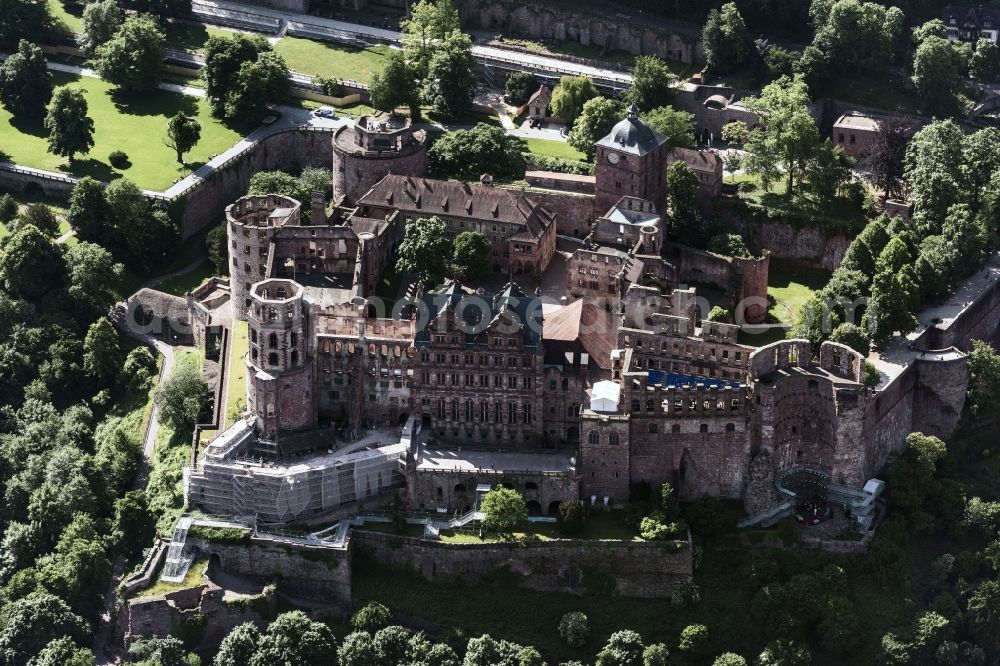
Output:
(119, 317)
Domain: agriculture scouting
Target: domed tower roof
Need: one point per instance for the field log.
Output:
(632, 135)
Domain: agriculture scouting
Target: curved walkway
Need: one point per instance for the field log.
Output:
(118, 317)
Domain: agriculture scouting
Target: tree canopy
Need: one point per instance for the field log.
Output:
(570, 95)
(503, 510)
(451, 81)
(25, 82)
(70, 129)
(425, 250)
(596, 119)
(133, 58)
(468, 154)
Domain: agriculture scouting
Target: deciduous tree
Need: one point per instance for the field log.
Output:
(101, 20)
(570, 95)
(676, 125)
(503, 510)
(624, 648)
(596, 119)
(70, 129)
(472, 254)
(424, 250)
(430, 22)
(183, 132)
(725, 39)
(102, 355)
(651, 83)
(239, 646)
(181, 397)
(395, 85)
(25, 82)
(133, 58)
(468, 154)
(786, 137)
(519, 87)
(451, 81)
(31, 264)
(295, 640)
(985, 63)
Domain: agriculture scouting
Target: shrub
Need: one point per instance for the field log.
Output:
(8, 208)
(119, 159)
(570, 516)
(654, 527)
(694, 642)
(371, 617)
(574, 628)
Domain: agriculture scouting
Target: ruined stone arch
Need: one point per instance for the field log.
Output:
(522, 22)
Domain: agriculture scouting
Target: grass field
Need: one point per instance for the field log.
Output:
(308, 56)
(552, 148)
(195, 576)
(66, 17)
(133, 124)
(236, 383)
(791, 286)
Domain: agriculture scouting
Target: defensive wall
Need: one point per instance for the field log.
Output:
(646, 569)
(199, 613)
(623, 29)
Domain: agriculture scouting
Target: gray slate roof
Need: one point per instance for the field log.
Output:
(632, 135)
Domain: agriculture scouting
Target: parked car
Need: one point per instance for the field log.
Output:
(324, 112)
(272, 115)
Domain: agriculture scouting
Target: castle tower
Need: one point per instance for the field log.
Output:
(631, 161)
(251, 223)
(374, 147)
(279, 368)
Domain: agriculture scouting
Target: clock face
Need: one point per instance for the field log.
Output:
(613, 158)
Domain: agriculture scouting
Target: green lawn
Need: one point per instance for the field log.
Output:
(552, 148)
(236, 383)
(67, 17)
(191, 36)
(133, 124)
(195, 576)
(789, 286)
(330, 60)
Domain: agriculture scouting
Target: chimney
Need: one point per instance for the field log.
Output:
(318, 207)
(486, 180)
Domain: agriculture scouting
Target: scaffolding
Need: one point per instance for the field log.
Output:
(279, 491)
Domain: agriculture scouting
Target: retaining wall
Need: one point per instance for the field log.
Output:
(629, 568)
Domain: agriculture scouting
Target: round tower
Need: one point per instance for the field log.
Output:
(251, 223)
(279, 371)
(373, 148)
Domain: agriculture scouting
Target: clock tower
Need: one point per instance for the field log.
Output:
(631, 161)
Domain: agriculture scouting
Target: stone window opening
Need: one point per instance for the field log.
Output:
(675, 429)
(703, 428)
(272, 359)
(730, 427)
(593, 437)
(652, 428)
(440, 493)
(531, 485)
